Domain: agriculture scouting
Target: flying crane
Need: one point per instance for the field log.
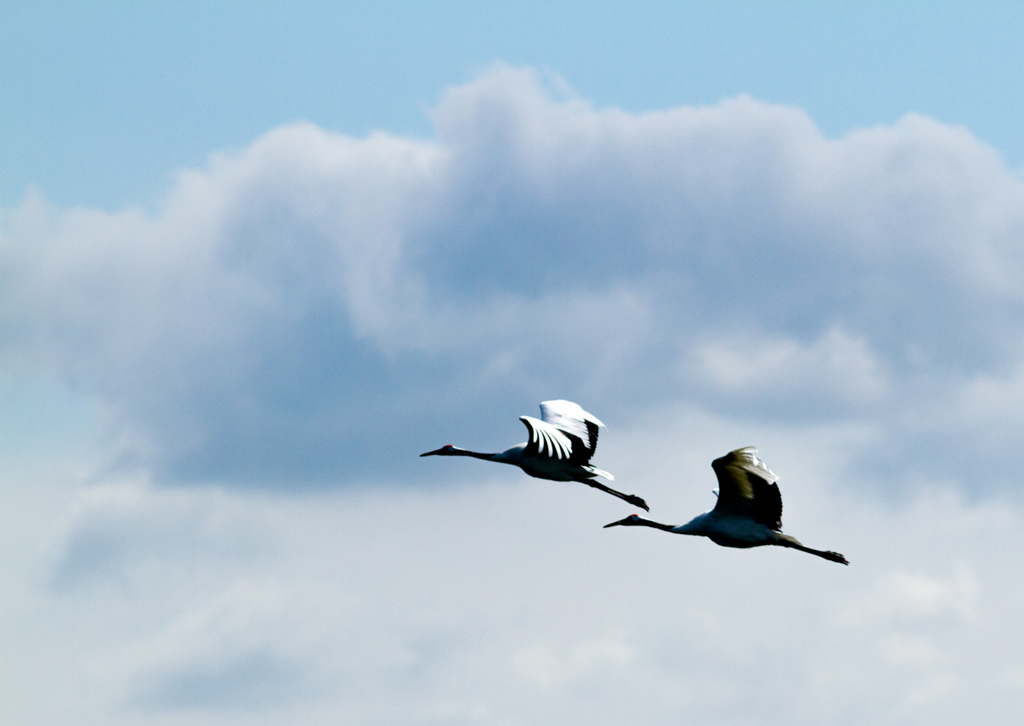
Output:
(748, 512)
(561, 445)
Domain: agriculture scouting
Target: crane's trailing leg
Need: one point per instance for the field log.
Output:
(631, 498)
(784, 540)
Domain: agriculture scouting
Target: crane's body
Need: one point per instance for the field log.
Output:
(728, 531)
(748, 512)
(546, 468)
(561, 444)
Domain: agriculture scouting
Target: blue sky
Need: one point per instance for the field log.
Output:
(109, 100)
(254, 260)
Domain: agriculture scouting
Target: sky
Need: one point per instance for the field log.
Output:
(254, 259)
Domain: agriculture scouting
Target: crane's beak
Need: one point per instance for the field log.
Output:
(621, 521)
(436, 452)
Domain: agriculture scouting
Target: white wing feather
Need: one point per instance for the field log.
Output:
(548, 438)
(569, 417)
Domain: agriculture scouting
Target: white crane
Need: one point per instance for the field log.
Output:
(560, 446)
(748, 512)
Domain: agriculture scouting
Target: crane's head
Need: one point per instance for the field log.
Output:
(632, 520)
(447, 450)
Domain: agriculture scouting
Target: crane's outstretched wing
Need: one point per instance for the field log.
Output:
(547, 440)
(570, 418)
(746, 487)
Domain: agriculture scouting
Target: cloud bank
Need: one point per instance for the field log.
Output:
(316, 308)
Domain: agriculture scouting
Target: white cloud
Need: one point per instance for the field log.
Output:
(306, 309)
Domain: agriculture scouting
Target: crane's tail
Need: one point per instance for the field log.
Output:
(594, 471)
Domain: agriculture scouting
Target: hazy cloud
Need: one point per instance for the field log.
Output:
(498, 603)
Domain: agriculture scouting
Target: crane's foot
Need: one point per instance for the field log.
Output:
(835, 557)
(637, 502)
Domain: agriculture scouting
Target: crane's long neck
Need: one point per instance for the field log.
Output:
(475, 454)
(456, 451)
(641, 522)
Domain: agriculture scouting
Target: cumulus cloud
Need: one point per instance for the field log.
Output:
(318, 308)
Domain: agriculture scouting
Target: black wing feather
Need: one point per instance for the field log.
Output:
(767, 503)
(742, 491)
(592, 431)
